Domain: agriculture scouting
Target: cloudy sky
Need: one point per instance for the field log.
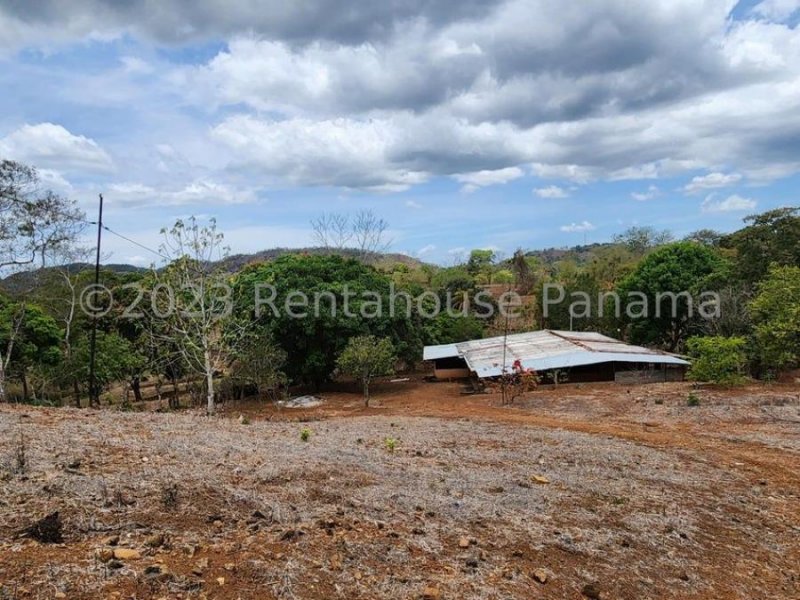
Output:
(479, 123)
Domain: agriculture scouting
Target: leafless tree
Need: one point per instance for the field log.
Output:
(332, 230)
(365, 232)
(369, 233)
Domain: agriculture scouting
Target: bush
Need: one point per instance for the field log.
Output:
(366, 357)
(305, 434)
(717, 359)
(693, 399)
(390, 444)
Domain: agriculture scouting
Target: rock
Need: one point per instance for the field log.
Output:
(59, 595)
(590, 591)
(127, 554)
(540, 479)
(431, 593)
(540, 575)
(221, 580)
(115, 564)
(104, 554)
(200, 566)
(230, 567)
(155, 541)
(472, 562)
(463, 542)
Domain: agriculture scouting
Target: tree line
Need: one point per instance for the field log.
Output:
(196, 336)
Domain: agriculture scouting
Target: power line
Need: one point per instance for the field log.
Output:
(127, 239)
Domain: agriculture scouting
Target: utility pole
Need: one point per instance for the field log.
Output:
(94, 394)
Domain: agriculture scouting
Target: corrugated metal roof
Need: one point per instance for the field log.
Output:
(437, 352)
(546, 349)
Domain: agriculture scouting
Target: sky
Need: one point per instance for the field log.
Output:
(497, 124)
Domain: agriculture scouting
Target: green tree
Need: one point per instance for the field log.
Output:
(366, 357)
(345, 298)
(770, 238)
(480, 261)
(449, 329)
(669, 280)
(115, 360)
(717, 359)
(776, 315)
(29, 338)
(258, 362)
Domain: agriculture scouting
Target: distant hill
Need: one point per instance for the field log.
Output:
(580, 254)
(24, 282)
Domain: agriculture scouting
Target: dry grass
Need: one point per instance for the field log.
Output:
(342, 516)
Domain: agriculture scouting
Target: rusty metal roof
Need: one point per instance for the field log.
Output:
(546, 349)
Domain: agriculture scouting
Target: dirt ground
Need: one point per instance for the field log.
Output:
(581, 491)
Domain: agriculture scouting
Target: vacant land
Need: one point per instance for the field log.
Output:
(592, 491)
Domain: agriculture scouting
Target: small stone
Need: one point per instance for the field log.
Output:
(221, 580)
(591, 591)
(540, 575)
(115, 564)
(463, 542)
(59, 595)
(431, 593)
(230, 567)
(127, 554)
(200, 566)
(540, 479)
(155, 540)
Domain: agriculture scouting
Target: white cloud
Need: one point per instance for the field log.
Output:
(732, 203)
(426, 250)
(413, 204)
(652, 192)
(478, 179)
(552, 191)
(194, 193)
(578, 227)
(51, 146)
(711, 181)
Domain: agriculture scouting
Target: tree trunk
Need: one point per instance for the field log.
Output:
(137, 388)
(366, 393)
(2, 381)
(76, 390)
(210, 408)
(25, 392)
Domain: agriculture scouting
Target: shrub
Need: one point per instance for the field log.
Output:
(305, 434)
(390, 444)
(693, 399)
(366, 357)
(717, 359)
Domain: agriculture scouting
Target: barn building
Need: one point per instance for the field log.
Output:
(580, 356)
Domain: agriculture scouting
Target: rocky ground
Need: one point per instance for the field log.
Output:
(582, 491)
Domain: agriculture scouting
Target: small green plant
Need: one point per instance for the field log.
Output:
(719, 360)
(305, 434)
(390, 444)
(693, 399)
